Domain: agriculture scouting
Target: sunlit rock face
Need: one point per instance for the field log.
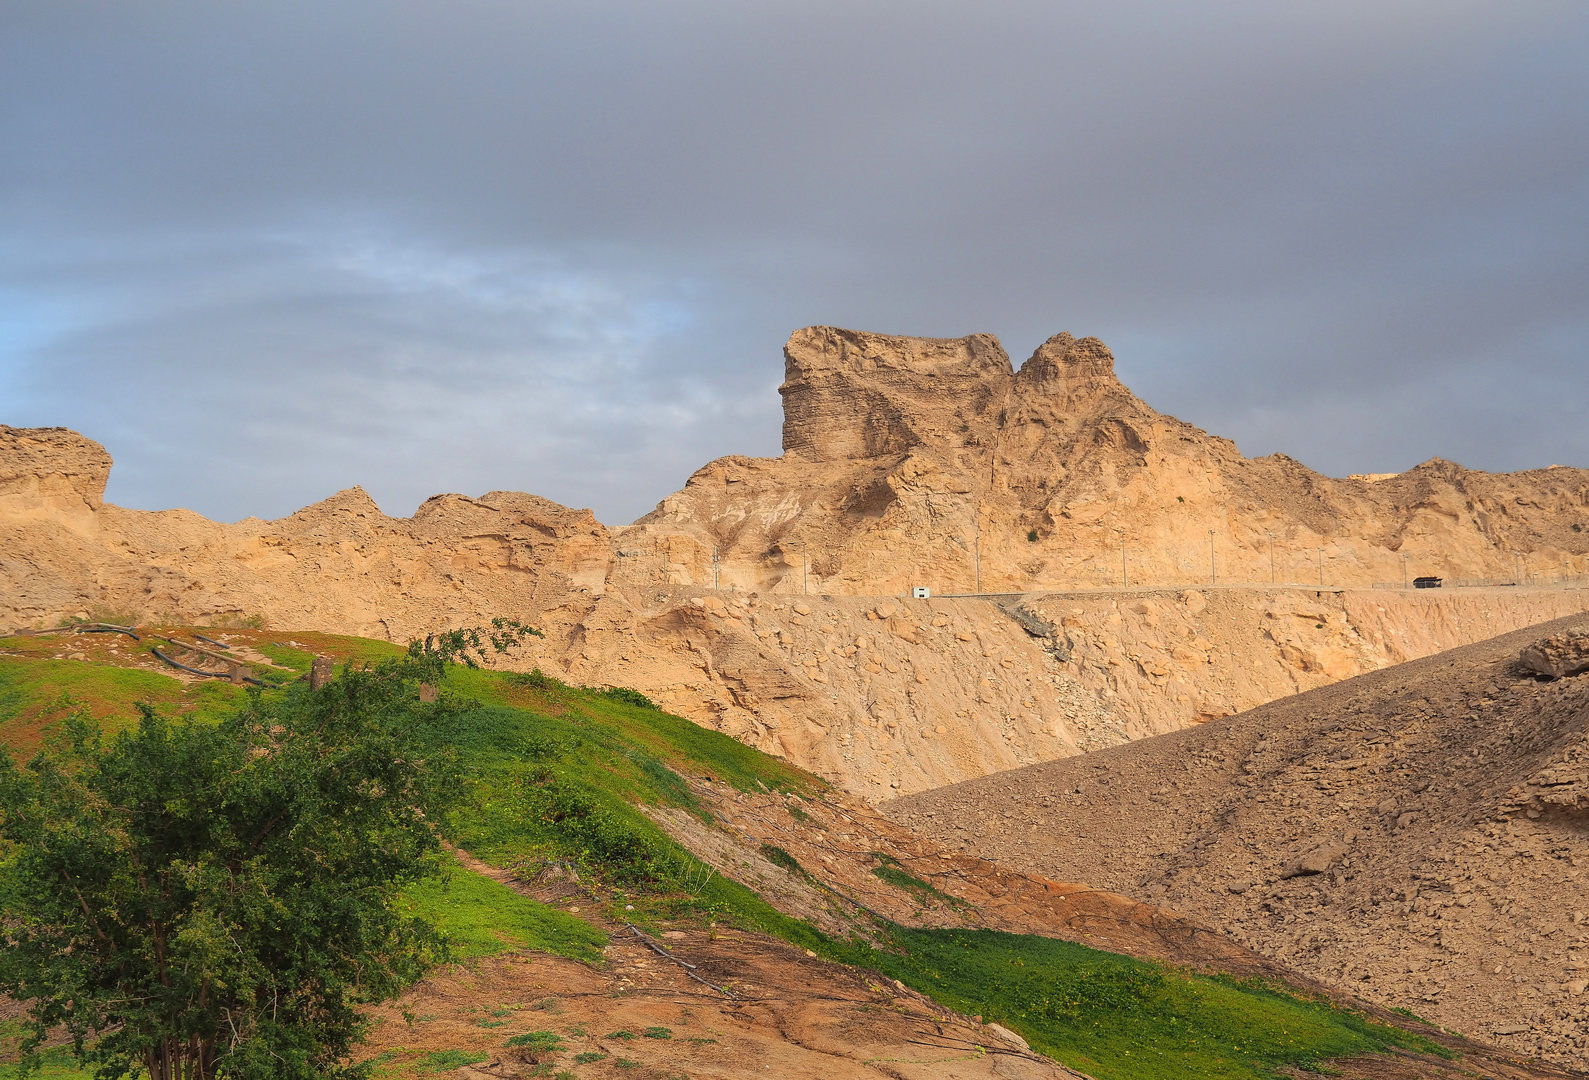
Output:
(932, 462)
(763, 598)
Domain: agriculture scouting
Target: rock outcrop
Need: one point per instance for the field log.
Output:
(1558, 655)
(50, 472)
(932, 462)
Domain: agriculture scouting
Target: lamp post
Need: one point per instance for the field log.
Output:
(1406, 555)
(1122, 558)
(1271, 536)
(1213, 576)
(716, 579)
(1321, 568)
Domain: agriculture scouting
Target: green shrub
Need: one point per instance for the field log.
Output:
(782, 859)
(447, 1060)
(628, 697)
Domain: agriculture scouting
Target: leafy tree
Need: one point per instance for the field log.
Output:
(217, 901)
(468, 645)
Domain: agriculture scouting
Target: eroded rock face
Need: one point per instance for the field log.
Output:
(45, 470)
(1558, 655)
(931, 462)
(850, 395)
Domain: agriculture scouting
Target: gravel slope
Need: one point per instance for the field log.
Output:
(1419, 835)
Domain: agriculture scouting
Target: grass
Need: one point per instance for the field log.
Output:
(555, 774)
(889, 870)
(448, 1060)
(1116, 1018)
(482, 917)
(278, 645)
(57, 1064)
(36, 693)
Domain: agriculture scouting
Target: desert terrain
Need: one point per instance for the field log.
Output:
(1160, 699)
(1413, 835)
(908, 462)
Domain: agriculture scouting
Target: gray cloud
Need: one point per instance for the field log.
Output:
(265, 251)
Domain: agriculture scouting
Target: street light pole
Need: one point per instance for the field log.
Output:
(1122, 558)
(716, 579)
(1213, 576)
(1321, 568)
(1271, 536)
(1404, 557)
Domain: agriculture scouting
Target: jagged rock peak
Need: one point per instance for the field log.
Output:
(52, 465)
(1065, 356)
(828, 348)
(851, 395)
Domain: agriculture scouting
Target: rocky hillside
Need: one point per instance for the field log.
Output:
(1412, 835)
(932, 462)
(883, 696)
(639, 897)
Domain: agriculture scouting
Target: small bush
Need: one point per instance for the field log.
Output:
(658, 1033)
(447, 1060)
(628, 697)
(782, 859)
(544, 1041)
(532, 680)
(589, 1056)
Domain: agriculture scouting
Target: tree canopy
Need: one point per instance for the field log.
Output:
(217, 900)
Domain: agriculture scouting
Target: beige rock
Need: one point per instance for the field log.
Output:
(1317, 861)
(916, 461)
(1558, 655)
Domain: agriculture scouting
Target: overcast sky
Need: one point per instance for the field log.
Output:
(266, 250)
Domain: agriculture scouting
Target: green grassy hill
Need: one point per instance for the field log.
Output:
(554, 775)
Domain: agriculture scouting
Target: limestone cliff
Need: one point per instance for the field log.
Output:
(928, 462)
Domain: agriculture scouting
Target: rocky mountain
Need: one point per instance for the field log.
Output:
(908, 461)
(932, 462)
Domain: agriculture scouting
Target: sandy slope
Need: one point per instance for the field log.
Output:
(1443, 802)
